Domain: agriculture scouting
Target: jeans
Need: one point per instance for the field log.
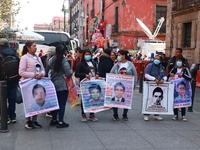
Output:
(33, 118)
(183, 111)
(62, 99)
(11, 95)
(115, 111)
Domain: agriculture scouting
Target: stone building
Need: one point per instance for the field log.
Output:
(183, 28)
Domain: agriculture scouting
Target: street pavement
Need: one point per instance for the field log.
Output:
(135, 134)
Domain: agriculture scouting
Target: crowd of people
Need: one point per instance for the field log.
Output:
(88, 65)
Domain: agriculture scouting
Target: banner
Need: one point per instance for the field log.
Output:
(158, 99)
(39, 96)
(93, 93)
(119, 91)
(182, 93)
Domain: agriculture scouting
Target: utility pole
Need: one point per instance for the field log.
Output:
(64, 11)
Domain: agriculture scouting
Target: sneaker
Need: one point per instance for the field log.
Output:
(37, 125)
(84, 118)
(115, 118)
(48, 114)
(93, 118)
(62, 125)
(158, 118)
(29, 125)
(53, 122)
(184, 118)
(146, 118)
(13, 120)
(175, 118)
(8, 121)
(125, 118)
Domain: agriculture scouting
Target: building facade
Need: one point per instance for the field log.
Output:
(183, 28)
(119, 20)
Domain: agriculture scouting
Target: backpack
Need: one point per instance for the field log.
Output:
(9, 69)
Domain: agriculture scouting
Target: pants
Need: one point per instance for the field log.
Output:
(62, 99)
(82, 112)
(11, 95)
(33, 118)
(183, 111)
(115, 111)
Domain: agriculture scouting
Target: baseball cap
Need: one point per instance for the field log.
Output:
(3, 41)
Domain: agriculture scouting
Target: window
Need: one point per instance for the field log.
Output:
(187, 28)
(161, 11)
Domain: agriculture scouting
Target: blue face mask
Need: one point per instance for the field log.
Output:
(156, 62)
(87, 57)
(179, 63)
(119, 58)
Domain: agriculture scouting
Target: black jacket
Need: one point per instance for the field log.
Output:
(82, 69)
(172, 63)
(185, 73)
(105, 65)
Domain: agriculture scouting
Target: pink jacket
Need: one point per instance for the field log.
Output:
(27, 65)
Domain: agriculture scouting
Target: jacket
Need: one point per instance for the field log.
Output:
(153, 72)
(105, 65)
(58, 78)
(130, 70)
(185, 73)
(27, 66)
(82, 69)
(172, 63)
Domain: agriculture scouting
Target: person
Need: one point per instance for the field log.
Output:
(164, 61)
(79, 53)
(86, 69)
(11, 86)
(59, 70)
(105, 63)
(27, 70)
(180, 72)
(39, 94)
(113, 56)
(173, 60)
(157, 96)
(155, 72)
(40, 53)
(119, 90)
(95, 92)
(123, 62)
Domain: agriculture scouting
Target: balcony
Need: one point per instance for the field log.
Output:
(115, 29)
(178, 5)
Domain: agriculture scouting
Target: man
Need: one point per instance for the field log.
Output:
(95, 92)
(155, 72)
(39, 94)
(79, 53)
(172, 62)
(11, 86)
(119, 90)
(157, 96)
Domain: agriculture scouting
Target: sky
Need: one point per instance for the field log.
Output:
(37, 11)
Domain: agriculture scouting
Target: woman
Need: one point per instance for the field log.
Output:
(59, 70)
(86, 69)
(180, 72)
(31, 67)
(113, 56)
(126, 67)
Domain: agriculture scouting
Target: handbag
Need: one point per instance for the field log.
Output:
(18, 95)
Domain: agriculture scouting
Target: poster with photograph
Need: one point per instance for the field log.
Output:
(157, 99)
(39, 96)
(182, 93)
(119, 90)
(93, 94)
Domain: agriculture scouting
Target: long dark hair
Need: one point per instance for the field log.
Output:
(25, 48)
(60, 51)
(123, 52)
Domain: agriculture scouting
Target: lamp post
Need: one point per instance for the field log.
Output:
(64, 11)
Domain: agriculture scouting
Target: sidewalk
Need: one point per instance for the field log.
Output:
(135, 134)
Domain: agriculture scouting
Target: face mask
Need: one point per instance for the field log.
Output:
(87, 57)
(156, 62)
(179, 64)
(119, 58)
